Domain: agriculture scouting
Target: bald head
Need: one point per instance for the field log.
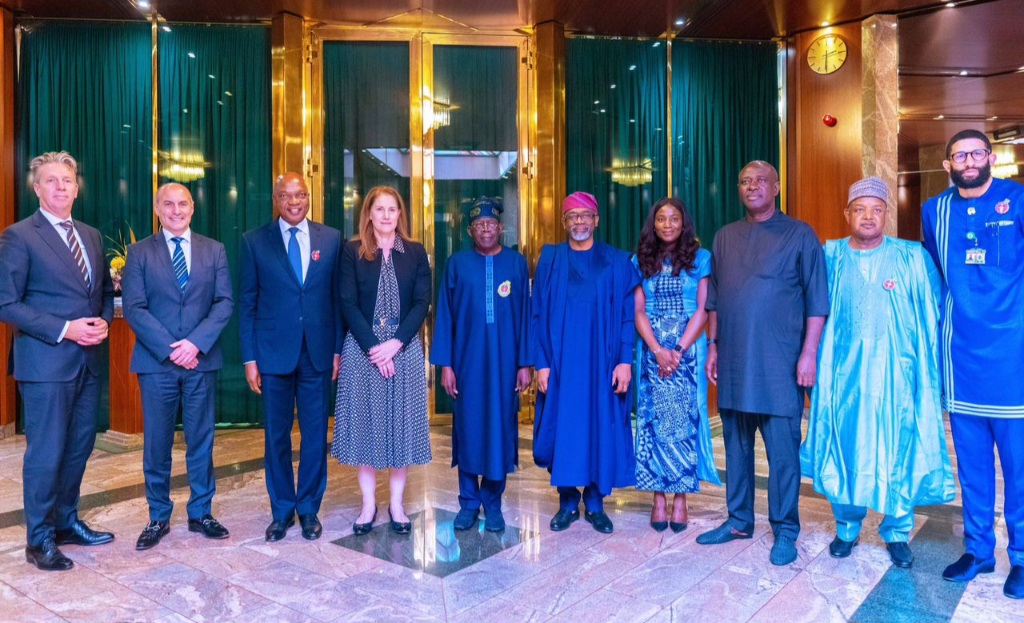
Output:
(173, 206)
(291, 198)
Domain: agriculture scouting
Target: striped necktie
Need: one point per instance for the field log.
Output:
(76, 250)
(178, 262)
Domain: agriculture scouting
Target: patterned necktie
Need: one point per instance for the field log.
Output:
(294, 255)
(178, 262)
(76, 250)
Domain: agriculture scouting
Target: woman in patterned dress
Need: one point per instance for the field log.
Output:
(380, 417)
(673, 447)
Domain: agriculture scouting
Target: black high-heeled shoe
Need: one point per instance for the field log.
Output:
(399, 527)
(365, 528)
(677, 527)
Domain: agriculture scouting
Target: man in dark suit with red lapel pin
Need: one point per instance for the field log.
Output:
(291, 334)
(57, 295)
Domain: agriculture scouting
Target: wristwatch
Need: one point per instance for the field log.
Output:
(678, 348)
(712, 340)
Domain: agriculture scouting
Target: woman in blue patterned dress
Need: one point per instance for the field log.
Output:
(673, 443)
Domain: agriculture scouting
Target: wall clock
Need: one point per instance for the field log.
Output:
(827, 54)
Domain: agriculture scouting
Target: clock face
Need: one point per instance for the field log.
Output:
(826, 54)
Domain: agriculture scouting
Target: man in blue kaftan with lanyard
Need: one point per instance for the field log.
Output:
(583, 336)
(975, 233)
(480, 343)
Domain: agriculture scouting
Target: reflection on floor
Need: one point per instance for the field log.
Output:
(528, 574)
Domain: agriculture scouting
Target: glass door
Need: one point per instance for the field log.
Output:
(439, 116)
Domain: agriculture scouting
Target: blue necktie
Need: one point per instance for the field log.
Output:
(178, 262)
(294, 255)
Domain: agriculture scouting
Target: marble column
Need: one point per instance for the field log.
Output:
(879, 103)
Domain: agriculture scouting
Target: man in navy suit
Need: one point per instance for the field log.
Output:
(58, 297)
(291, 333)
(177, 300)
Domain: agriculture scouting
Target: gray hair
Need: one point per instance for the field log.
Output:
(59, 157)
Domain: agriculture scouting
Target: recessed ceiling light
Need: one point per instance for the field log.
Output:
(940, 117)
(143, 4)
(993, 118)
(950, 5)
(680, 21)
(963, 72)
(824, 24)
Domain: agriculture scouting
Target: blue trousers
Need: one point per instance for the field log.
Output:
(894, 528)
(476, 491)
(975, 438)
(569, 498)
(163, 395)
(60, 430)
(309, 390)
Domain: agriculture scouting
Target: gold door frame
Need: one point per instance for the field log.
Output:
(421, 133)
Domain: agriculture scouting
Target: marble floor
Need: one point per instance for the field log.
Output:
(528, 574)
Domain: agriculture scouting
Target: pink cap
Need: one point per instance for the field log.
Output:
(579, 201)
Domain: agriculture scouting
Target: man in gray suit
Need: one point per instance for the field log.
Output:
(58, 297)
(177, 299)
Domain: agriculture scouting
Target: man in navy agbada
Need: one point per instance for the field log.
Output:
(177, 300)
(291, 334)
(582, 331)
(58, 297)
(480, 343)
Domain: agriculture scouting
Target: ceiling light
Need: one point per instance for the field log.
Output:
(191, 54)
(963, 72)
(656, 44)
(166, 28)
(597, 101)
(143, 4)
(612, 87)
(680, 21)
(992, 118)
(824, 24)
(632, 67)
(950, 5)
(939, 117)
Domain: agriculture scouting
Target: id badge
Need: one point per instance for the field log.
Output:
(976, 256)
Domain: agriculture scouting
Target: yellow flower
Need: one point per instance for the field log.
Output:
(117, 263)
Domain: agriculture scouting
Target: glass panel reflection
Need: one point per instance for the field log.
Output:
(366, 126)
(476, 149)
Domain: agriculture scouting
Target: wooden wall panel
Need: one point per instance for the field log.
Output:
(823, 161)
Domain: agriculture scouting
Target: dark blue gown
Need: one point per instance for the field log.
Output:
(582, 312)
(481, 332)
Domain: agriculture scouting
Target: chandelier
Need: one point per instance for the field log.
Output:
(632, 173)
(442, 113)
(182, 166)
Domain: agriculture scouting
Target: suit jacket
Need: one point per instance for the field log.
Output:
(160, 313)
(276, 313)
(41, 288)
(359, 280)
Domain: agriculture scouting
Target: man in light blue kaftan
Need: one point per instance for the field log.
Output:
(582, 330)
(481, 345)
(975, 233)
(875, 437)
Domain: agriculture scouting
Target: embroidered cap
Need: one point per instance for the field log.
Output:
(579, 201)
(486, 207)
(869, 187)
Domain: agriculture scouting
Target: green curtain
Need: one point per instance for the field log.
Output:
(366, 107)
(725, 113)
(615, 117)
(87, 89)
(215, 110)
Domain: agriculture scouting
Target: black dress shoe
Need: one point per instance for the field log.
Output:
(494, 521)
(600, 521)
(839, 548)
(209, 527)
(152, 534)
(80, 534)
(564, 518)
(278, 529)
(722, 534)
(365, 528)
(465, 519)
(311, 527)
(967, 568)
(399, 527)
(1014, 587)
(900, 554)
(48, 557)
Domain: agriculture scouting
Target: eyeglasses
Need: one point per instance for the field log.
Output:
(579, 217)
(978, 155)
(485, 225)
